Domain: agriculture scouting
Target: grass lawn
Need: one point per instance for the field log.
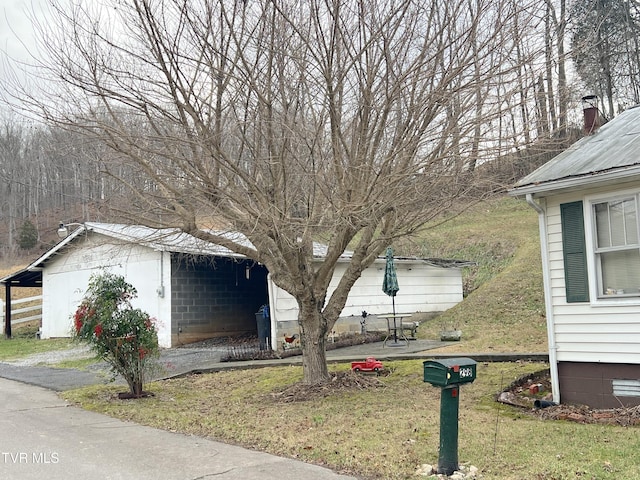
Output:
(24, 343)
(379, 433)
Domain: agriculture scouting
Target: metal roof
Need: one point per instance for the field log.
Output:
(169, 239)
(163, 239)
(610, 154)
(175, 240)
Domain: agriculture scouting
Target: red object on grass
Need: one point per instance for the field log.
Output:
(369, 365)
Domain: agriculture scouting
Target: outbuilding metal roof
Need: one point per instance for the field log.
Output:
(610, 154)
(168, 239)
(175, 240)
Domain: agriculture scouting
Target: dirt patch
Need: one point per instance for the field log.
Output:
(534, 390)
(582, 414)
(340, 382)
(133, 396)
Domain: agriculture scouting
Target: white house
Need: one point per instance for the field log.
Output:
(588, 201)
(198, 290)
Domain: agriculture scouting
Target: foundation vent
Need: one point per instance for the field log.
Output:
(626, 388)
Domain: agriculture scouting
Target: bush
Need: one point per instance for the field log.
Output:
(125, 337)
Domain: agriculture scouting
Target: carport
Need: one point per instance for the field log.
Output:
(24, 278)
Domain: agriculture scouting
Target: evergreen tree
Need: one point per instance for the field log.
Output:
(28, 236)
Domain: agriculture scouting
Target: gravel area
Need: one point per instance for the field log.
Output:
(41, 368)
(79, 352)
(172, 361)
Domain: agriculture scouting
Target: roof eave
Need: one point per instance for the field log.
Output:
(602, 178)
(37, 264)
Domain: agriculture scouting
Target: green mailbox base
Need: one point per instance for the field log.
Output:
(449, 374)
(449, 406)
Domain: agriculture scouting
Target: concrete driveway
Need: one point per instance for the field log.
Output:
(45, 438)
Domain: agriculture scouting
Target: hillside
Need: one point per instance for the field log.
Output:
(504, 307)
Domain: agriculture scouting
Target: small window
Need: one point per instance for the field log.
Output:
(617, 247)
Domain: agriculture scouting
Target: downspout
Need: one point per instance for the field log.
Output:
(272, 312)
(544, 251)
(165, 336)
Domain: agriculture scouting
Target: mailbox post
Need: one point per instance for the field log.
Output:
(449, 374)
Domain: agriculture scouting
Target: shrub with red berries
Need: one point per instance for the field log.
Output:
(123, 336)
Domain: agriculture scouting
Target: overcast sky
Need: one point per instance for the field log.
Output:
(17, 39)
(15, 26)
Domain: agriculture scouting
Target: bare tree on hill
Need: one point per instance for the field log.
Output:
(348, 122)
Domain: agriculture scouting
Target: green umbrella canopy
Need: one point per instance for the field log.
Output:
(390, 282)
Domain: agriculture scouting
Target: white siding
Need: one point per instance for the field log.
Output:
(423, 288)
(591, 331)
(66, 277)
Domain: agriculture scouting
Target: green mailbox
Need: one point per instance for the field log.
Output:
(450, 371)
(449, 374)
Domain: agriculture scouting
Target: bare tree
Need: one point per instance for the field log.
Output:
(11, 152)
(47, 172)
(555, 24)
(290, 122)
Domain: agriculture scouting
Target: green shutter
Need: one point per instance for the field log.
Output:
(574, 252)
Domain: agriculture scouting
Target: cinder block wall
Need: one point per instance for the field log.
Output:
(213, 297)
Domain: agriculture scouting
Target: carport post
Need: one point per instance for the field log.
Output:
(7, 309)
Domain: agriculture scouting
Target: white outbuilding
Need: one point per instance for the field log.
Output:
(198, 290)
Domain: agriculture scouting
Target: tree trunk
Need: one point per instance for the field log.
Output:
(563, 94)
(543, 115)
(549, 62)
(313, 335)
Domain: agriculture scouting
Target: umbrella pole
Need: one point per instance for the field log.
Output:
(395, 328)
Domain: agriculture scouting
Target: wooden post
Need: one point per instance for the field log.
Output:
(7, 315)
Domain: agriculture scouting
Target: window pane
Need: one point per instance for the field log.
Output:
(631, 222)
(621, 272)
(616, 219)
(602, 224)
(616, 223)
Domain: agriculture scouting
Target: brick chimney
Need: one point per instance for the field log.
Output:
(591, 114)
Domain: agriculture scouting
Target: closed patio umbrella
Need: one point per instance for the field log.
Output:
(390, 281)
(390, 285)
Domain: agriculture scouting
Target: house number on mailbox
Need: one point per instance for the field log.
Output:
(466, 372)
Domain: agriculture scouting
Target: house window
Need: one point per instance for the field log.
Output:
(617, 247)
